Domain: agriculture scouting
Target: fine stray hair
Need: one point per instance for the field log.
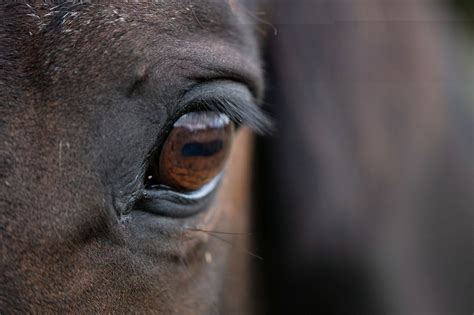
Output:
(217, 235)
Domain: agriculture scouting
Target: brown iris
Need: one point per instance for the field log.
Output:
(195, 151)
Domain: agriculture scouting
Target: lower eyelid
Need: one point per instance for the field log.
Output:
(170, 203)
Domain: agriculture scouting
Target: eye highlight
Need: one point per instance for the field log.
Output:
(195, 150)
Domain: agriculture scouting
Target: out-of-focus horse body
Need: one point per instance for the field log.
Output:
(373, 197)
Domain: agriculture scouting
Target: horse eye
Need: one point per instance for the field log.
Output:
(195, 151)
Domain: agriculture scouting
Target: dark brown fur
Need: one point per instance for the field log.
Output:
(86, 90)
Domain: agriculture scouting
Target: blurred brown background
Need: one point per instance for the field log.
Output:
(366, 193)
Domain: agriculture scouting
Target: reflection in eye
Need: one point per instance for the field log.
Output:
(195, 151)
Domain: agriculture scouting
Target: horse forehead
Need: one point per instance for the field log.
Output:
(228, 20)
(214, 11)
(198, 28)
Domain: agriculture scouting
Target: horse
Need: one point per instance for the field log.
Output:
(91, 94)
(131, 178)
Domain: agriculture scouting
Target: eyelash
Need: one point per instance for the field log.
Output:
(240, 113)
(207, 105)
(230, 98)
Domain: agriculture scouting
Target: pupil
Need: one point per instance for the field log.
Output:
(202, 148)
